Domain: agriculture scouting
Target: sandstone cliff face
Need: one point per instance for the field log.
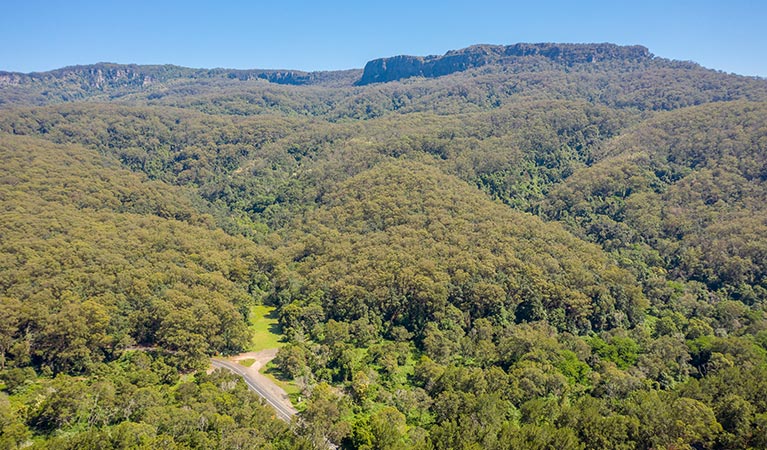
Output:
(105, 75)
(117, 80)
(399, 67)
(109, 80)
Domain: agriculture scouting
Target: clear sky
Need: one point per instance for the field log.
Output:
(727, 35)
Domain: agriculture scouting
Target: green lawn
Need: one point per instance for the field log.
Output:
(266, 330)
(266, 335)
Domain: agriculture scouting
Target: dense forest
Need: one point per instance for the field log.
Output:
(539, 246)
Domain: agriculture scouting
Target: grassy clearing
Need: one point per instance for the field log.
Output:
(247, 362)
(265, 327)
(266, 335)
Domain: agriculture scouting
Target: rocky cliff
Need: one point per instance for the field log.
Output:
(104, 75)
(399, 67)
(108, 80)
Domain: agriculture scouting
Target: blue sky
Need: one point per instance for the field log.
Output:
(42, 35)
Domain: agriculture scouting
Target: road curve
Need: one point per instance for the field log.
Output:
(259, 385)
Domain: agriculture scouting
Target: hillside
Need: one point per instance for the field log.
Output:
(503, 247)
(404, 244)
(79, 232)
(688, 187)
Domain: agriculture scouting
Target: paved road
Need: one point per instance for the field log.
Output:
(261, 386)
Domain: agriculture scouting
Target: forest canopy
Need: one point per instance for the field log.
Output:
(540, 246)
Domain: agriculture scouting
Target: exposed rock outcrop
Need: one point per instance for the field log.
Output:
(399, 67)
(103, 75)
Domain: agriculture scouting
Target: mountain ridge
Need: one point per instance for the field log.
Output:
(102, 72)
(603, 73)
(404, 66)
(384, 69)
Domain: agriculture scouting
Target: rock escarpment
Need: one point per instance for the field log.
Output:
(400, 67)
(104, 75)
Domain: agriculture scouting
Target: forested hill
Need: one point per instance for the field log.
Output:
(504, 247)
